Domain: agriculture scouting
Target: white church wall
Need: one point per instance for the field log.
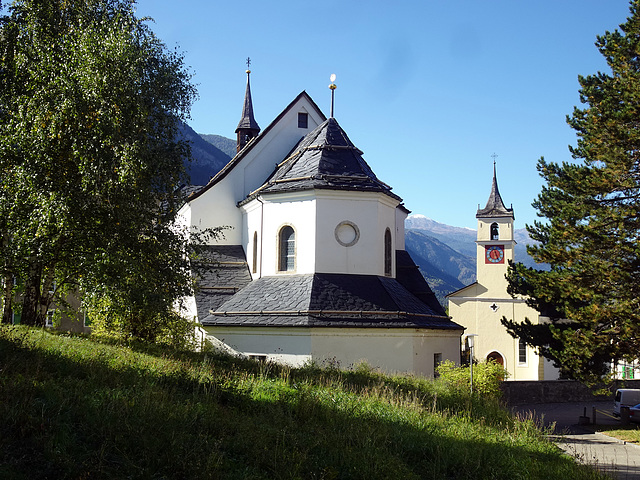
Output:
(252, 231)
(432, 347)
(298, 211)
(347, 217)
(401, 216)
(390, 350)
(217, 208)
(218, 205)
(288, 346)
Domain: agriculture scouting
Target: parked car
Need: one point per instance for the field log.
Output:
(625, 397)
(634, 413)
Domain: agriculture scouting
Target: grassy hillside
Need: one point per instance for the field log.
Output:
(75, 408)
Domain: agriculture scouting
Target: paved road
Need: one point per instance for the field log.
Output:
(619, 459)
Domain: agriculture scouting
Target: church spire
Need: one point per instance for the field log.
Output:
(495, 206)
(248, 127)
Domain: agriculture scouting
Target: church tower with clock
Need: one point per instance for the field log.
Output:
(495, 242)
(479, 307)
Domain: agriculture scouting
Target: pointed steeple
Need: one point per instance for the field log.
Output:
(247, 127)
(495, 206)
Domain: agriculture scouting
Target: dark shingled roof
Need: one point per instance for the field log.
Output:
(222, 273)
(248, 121)
(324, 159)
(409, 276)
(495, 206)
(328, 300)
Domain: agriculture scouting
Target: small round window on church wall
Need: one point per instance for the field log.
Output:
(347, 233)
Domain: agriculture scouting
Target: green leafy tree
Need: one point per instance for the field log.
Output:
(90, 106)
(591, 235)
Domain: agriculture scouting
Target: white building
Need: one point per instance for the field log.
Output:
(314, 267)
(480, 306)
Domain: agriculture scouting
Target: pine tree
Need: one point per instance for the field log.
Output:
(591, 233)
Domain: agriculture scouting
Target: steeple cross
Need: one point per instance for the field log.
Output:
(494, 156)
(248, 62)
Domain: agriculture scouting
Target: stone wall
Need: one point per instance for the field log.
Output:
(557, 391)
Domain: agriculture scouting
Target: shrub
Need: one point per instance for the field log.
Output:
(487, 377)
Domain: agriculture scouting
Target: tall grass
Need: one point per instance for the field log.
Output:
(76, 408)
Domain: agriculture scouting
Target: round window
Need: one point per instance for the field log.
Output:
(347, 233)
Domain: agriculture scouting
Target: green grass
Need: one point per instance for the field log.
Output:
(75, 408)
(628, 433)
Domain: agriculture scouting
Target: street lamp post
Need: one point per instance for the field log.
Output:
(470, 341)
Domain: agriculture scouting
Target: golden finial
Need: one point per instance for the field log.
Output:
(332, 87)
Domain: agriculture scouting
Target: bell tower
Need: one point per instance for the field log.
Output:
(495, 242)
(248, 127)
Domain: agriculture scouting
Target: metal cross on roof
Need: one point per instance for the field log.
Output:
(494, 156)
(248, 62)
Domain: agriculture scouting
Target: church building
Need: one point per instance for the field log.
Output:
(314, 266)
(480, 306)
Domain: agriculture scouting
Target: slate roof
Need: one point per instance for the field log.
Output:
(495, 206)
(328, 300)
(324, 159)
(409, 276)
(247, 121)
(222, 272)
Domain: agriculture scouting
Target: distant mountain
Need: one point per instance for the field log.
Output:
(445, 269)
(446, 255)
(207, 158)
(460, 239)
(225, 144)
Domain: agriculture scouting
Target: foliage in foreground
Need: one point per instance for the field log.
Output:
(91, 103)
(591, 235)
(75, 408)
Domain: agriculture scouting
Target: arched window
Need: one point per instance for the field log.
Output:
(495, 232)
(254, 268)
(387, 252)
(287, 249)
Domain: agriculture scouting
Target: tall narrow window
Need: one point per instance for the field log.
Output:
(522, 351)
(495, 232)
(287, 253)
(437, 360)
(254, 266)
(387, 252)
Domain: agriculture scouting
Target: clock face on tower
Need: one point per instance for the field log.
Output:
(494, 254)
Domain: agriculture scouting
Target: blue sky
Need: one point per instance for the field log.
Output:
(428, 89)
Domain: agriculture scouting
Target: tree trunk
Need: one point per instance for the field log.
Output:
(7, 300)
(31, 312)
(7, 290)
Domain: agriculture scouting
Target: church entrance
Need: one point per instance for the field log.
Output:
(496, 357)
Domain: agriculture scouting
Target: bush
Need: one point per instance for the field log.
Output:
(487, 377)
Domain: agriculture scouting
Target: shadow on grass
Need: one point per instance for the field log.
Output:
(68, 417)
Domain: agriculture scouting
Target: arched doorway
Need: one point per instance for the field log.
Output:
(496, 357)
